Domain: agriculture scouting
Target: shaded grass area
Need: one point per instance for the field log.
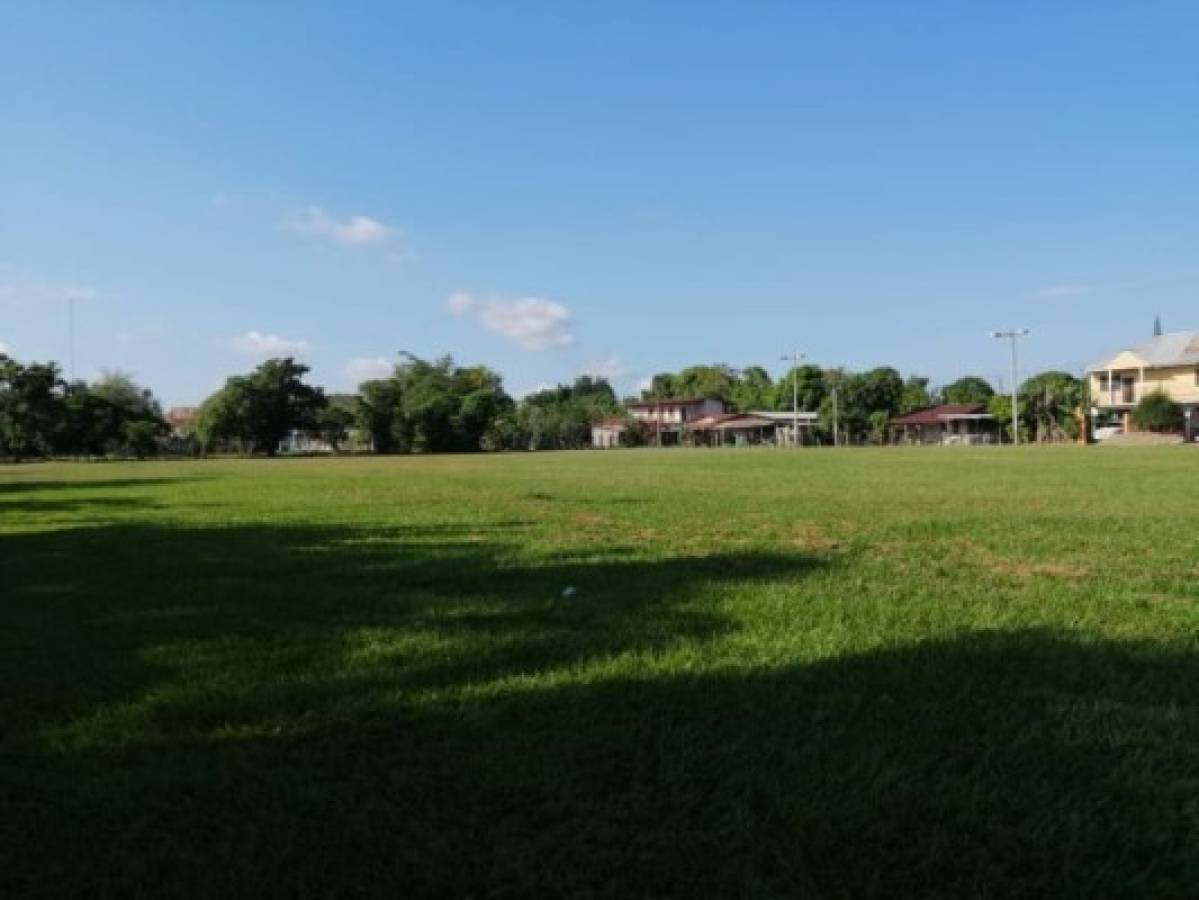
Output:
(363, 678)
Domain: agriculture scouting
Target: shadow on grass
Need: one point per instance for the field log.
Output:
(418, 712)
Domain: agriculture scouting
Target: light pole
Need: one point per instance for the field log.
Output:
(1012, 334)
(794, 359)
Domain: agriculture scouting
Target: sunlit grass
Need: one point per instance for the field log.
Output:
(814, 673)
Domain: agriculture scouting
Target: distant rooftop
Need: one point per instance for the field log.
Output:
(1177, 348)
(935, 415)
(672, 401)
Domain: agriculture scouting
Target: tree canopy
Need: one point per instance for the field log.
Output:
(1051, 402)
(41, 414)
(968, 389)
(256, 411)
(431, 406)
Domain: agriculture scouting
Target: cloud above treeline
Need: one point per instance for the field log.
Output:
(367, 368)
(19, 288)
(357, 230)
(259, 343)
(612, 368)
(533, 323)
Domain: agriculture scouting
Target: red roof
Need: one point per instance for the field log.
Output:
(672, 401)
(935, 415)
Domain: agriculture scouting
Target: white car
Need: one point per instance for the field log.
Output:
(1106, 431)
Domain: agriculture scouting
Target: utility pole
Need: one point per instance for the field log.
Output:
(1012, 335)
(836, 427)
(794, 359)
(71, 333)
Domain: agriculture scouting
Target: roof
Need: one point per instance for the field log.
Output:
(673, 401)
(610, 422)
(731, 422)
(935, 415)
(785, 417)
(1177, 348)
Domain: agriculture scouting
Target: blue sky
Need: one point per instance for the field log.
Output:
(554, 188)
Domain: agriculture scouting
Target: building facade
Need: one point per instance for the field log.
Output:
(1166, 363)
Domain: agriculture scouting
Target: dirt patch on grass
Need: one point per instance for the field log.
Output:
(997, 564)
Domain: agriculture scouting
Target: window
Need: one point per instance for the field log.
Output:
(1103, 380)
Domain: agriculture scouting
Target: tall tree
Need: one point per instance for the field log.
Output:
(432, 406)
(968, 389)
(1051, 401)
(260, 409)
(753, 389)
(916, 394)
(810, 383)
(32, 409)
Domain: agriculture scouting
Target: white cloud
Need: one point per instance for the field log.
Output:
(365, 368)
(459, 303)
(1064, 291)
(258, 343)
(3, 348)
(645, 383)
(535, 389)
(533, 323)
(20, 289)
(354, 231)
(611, 368)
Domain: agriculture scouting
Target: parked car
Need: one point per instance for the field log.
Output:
(1104, 432)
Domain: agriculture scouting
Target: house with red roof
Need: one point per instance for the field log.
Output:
(949, 423)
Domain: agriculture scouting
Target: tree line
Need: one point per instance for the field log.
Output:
(432, 406)
(42, 414)
(860, 404)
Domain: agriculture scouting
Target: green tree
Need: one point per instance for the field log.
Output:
(260, 409)
(916, 394)
(123, 417)
(969, 389)
(1000, 408)
(432, 406)
(810, 383)
(1157, 412)
(378, 415)
(661, 385)
(714, 382)
(753, 389)
(1051, 401)
(32, 408)
(561, 417)
(335, 421)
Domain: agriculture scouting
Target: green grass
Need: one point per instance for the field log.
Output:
(935, 673)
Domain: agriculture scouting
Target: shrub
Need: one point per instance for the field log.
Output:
(1157, 412)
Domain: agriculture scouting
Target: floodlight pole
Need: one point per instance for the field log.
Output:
(795, 360)
(71, 333)
(1012, 334)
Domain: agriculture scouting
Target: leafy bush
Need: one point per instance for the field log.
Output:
(1157, 412)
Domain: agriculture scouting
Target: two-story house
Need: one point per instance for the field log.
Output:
(665, 419)
(1168, 363)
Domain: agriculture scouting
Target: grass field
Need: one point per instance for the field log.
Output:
(886, 673)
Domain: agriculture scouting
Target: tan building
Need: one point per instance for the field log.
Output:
(1168, 363)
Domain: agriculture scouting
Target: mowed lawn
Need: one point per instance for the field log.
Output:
(935, 673)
